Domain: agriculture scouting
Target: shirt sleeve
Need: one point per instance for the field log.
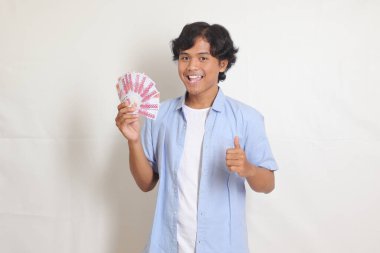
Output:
(257, 148)
(147, 143)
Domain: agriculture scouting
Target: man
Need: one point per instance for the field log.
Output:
(202, 147)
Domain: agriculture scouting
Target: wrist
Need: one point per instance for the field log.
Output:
(252, 170)
(135, 142)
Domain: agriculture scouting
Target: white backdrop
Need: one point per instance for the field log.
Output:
(311, 67)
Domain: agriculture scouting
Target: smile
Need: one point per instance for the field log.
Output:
(194, 78)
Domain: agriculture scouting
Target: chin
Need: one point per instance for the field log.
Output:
(192, 90)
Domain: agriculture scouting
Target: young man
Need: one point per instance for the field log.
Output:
(202, 147)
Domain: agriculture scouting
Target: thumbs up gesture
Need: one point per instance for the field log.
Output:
(236, 160)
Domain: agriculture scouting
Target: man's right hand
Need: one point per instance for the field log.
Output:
(127, 120)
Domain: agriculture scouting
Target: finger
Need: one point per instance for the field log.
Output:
(125, 105)
(235, 156)
(236, 142)
(234, 163)
(132, 120)
(234, 168)
(121, 118)
(128, 116)
(127, 110)
(233, 151)
(122, 105)
(125, 123)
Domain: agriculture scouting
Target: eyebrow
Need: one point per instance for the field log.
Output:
(196, 53)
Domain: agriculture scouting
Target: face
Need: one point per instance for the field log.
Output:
(199, 70)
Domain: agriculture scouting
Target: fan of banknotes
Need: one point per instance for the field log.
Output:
(139, 90)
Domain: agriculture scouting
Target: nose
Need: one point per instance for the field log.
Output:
(193, 64)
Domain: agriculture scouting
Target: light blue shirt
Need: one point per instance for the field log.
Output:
(221, 202)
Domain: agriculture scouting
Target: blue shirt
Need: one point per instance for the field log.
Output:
(221, 202)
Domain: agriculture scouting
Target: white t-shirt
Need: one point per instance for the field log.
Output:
(188, 178)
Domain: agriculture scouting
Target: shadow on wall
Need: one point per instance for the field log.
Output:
(158, 65)
(134, 209)
(131, 209)
(107, 208)
(138, 209)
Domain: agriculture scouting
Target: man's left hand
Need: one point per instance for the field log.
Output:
(236, 160)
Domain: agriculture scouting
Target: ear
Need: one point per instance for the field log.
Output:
(223, 65)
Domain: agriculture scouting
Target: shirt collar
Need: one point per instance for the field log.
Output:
(217, 105)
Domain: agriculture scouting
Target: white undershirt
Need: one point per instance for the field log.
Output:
(188, 179)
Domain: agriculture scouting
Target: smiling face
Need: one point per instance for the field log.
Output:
(199, 71)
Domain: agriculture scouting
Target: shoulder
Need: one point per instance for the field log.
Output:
(242, 110)
(167, 110)
(169, 104)
(168, 107)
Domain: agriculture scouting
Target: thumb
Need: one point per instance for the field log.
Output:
(236, 142)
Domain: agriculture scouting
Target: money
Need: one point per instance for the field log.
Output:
(139, 90)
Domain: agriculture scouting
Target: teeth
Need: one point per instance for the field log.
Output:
(195, 77)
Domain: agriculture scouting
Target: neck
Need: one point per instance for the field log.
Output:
(201, 101)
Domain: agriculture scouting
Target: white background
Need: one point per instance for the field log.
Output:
(310, 66)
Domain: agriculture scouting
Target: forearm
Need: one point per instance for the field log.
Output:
(140, 167)
(261, 180)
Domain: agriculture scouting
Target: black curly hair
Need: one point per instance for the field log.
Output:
(221, 44)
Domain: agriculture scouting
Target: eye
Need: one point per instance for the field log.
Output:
(184, 58)
(202, 59)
